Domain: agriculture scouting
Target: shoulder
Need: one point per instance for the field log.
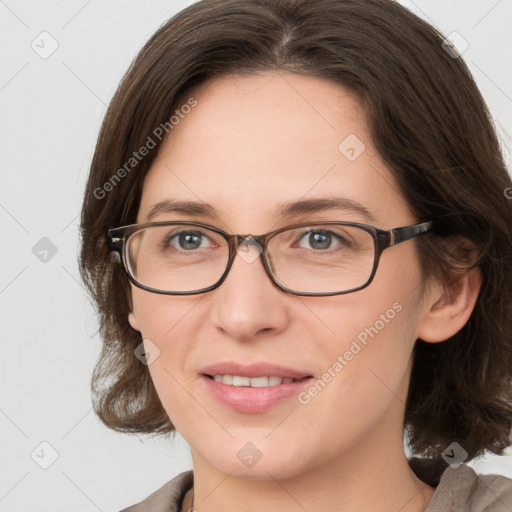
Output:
(462, 488)
(168, 497)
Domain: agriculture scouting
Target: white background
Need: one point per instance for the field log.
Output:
(51, 111)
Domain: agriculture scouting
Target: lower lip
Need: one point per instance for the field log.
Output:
(247, 399)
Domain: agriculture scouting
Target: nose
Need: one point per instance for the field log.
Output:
(248, 304)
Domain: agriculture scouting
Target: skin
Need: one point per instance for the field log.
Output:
(253, 142)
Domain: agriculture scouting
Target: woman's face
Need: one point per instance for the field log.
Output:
(251, 145)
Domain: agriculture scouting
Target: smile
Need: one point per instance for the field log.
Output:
(253, 382)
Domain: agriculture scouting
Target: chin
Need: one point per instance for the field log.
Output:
(245, 461)
(271, 470)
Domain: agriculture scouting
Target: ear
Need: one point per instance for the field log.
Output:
(448, 307)
(133, 322)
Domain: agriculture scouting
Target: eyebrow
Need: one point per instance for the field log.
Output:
(306, 206)
(288, 209)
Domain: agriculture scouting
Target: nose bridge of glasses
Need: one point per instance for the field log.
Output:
(249, 247)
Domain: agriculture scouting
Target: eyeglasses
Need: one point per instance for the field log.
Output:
(315, 259)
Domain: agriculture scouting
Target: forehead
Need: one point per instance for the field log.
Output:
(256, 141)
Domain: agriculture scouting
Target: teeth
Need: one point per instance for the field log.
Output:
(241, 381)
(254, 382)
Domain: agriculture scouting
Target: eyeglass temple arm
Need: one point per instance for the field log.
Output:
(115, 241)
(399, 235)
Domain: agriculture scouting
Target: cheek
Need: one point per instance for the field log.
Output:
(363, 384)
(170, 323)
(160, 317)
(370, 339)
(372, 334)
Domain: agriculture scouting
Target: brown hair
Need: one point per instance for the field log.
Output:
(429, 123)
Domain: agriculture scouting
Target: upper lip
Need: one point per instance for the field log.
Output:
(253, 370)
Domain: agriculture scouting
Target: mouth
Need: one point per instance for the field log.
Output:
(253, 382)
(253, 388)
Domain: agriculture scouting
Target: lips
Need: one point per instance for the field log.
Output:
(250, 399)
(253, 370)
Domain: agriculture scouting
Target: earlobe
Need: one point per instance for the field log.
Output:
(450, 310)
(133, 322)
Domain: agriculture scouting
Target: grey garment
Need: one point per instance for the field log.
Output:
(459, 490)
(168, 498)
(462, 489)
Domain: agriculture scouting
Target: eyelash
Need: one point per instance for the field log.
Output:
(167, 242)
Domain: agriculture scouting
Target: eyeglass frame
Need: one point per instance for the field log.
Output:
(383, 239)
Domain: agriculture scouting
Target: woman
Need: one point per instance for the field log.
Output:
(379, 299)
